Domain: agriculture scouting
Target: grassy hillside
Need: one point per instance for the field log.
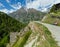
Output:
(55, 8)
(49, 40)
(52, 19)
(7, 25)
(54, 16)
(37, 36)
(42, 35)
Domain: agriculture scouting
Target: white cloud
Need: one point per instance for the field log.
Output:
(1, 5)
(11, 10)
(41, 3)
(37, 3)
(16, 6)
(7, 11)
(44, 10)
(57, 1)
(4, 10)
(31, 4)
(8, 1)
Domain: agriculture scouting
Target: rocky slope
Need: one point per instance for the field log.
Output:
(25, 15)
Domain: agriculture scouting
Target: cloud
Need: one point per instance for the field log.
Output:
(43, 4)
(44, 10)
(8, 1)
(1, 5)
(57, 1)
(11, 10)
(7, 11)
(38, 3)
(16, 6)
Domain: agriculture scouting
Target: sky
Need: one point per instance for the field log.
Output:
(9, 6)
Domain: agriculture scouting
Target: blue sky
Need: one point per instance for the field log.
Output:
(9, 6)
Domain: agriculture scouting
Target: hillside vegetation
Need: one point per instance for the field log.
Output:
(54, 16)
(55, 8)
(37, 36)
(52, 19)
(7, 25)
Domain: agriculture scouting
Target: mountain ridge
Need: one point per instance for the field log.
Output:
(26, 16)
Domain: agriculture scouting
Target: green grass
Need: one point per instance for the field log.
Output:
(7, 25)
(22, 40)
(4, 41)
(49, 38)
(50, 41)
(51, 20)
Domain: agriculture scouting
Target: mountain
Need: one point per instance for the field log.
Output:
(9, 6)
(25, 15)
(7, 25)
(36, 33)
